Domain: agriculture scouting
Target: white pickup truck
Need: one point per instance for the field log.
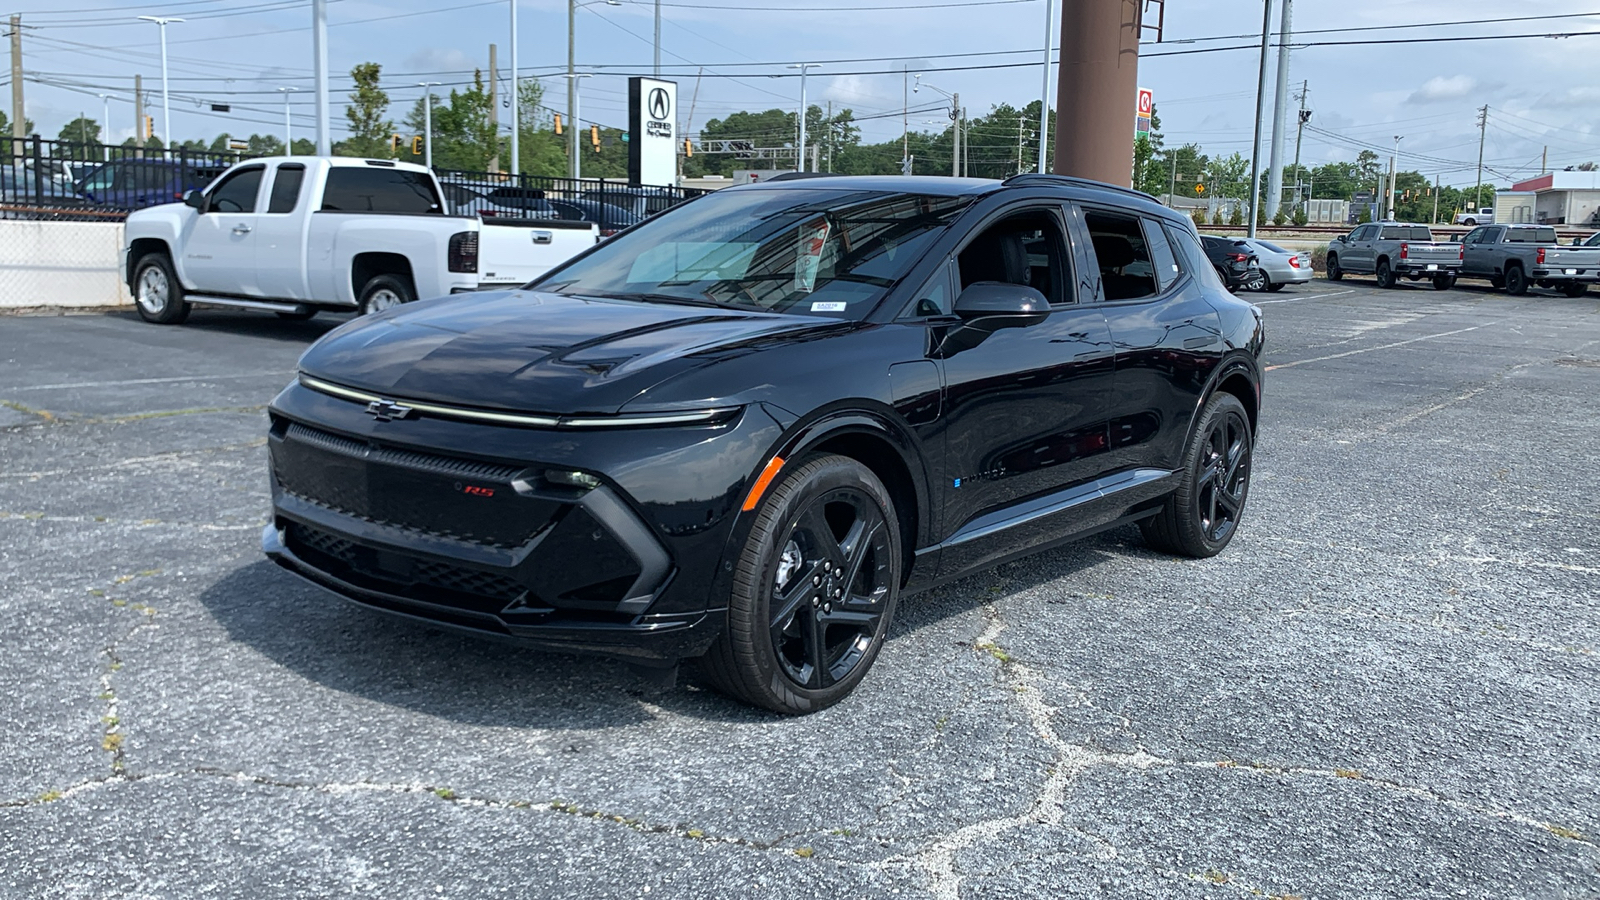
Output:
(297, 235)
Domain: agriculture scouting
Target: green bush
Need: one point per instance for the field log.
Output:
(1199, 217)
(1300, 217)
(1216, 217)
(1280, 217)
(1319, 257)
(1237, 216)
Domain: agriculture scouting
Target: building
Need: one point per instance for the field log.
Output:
(1564, 198)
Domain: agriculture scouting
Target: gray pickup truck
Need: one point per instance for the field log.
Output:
(1394, 250)
(1516, 257)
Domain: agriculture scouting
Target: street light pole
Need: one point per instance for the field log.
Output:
(166, 106)
(1044, 91)
(516, 102)
(105, 126)
(427, 122)
(1393, 161)
(572, 87)
(800, 156)
(658, 38)
(572, 78)
(288, 125)
(1255, 142)
(319, 52)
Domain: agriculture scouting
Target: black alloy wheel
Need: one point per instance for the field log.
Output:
(1496, 282)
(1334, 272)
(1516, 281)
(1202, 516)
(1443, 282)
(1575, 289)
(814, 590)
(1385, 274)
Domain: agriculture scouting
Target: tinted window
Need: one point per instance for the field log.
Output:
(1194, 258)
(1407, 233)
(1474, 236)
(1532, 235)
(1167, 269)
(1126, 270)
(237, 193)
(378, 189)
(1022, 249)
(1273, 247)
(286, 188)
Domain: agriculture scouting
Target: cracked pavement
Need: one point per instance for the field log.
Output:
(1386, 687)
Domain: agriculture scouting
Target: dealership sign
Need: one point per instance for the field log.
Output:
(653, 145)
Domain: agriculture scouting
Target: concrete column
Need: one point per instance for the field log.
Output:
(1097, 90)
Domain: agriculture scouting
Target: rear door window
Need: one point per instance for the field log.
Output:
(379, 189)
(1122, 254)
(1167, 269)
(286, 188)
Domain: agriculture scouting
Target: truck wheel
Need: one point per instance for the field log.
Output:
(1470, 223)
(1443, 282)
(1385, 274)
(156, 291)
(1575, 289)
(385, 292)
(1334, 272)
(1516, 281)
(1496, 282)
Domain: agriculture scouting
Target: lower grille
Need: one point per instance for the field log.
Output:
(341, 557)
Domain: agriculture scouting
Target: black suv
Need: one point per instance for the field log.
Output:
(745, 429)
(1236, 263)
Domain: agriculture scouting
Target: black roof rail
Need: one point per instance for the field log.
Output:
(1070, 181)
(796, 176)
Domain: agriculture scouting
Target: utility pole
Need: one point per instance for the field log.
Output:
(1300, 131)
(800, 151)
(138, 111)
(1544, 160)
(319, 53)
(830, 137)
(1044, 89)
(1394, 168)
(1280, 100)
(955, 134)
(1172, 189)
(427, 122)
(1019, 145)
(905, 120)
(494, 108)
(1483, 127)
(1261, 96)
(658, 38)
(1436, 197)
(19, 122)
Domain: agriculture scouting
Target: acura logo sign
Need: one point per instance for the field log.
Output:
(660, 104)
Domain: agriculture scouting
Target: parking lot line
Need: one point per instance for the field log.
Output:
(1316, 294)
(1426, 337)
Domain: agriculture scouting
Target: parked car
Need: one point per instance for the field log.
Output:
(1483, 215)
(1514, 257)
(1592, 241)
(140, 183)
(611, 219)
(1235, 262)
(746, 428)
(19, 186)
(1279, 266)
(497, 201)
(294, 235)
(643, 201)
(1393, 250)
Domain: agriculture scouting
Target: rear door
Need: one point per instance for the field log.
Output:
(280, 235)
(219, 252)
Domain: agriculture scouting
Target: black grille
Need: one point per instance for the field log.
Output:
(342, 558)
(468, 581)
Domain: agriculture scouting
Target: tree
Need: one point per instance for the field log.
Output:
(1237, 216)
(370, 132)
(81, 130)
(5, 125)
(463, 137)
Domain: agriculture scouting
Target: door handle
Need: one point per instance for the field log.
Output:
(543, 237)
(241, 228)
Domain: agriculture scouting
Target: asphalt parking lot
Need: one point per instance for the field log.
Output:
(1387, 686)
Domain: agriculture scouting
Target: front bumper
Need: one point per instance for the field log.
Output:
(464, 525)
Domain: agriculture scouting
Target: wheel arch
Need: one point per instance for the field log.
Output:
(366, 266)
(138, 249)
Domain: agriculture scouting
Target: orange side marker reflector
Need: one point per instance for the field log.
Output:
(765, 480)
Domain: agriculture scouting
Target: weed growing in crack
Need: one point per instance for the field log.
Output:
(804, 852)
(444, 793)
(995, 651)
(1567, 833)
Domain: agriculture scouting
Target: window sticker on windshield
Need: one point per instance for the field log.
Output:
(808, 255)
(829, 306)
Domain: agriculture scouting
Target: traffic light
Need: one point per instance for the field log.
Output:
(395, 142)
(416, 145)
(558, 123)
(149, 127)
(594, 137)
(688, 147)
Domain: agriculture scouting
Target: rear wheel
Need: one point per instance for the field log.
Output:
(1575, 289)
(814, 590)
(1274, 286)
(1496, 282)
(1201, 516)
(156, 291)
(385, 292)
(1385, 274)
(1230, 283)
(1516, 281)
(1334, 272)
(1443, 282)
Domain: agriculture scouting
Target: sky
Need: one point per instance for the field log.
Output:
(729, 55)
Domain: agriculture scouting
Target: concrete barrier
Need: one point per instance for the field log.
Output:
(61, 264)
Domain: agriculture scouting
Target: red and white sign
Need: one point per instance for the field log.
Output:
(1147, 102)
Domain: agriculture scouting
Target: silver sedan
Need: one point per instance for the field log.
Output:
(1280, 266)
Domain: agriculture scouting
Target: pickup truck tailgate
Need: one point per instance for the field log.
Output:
(516, 252)
(1431, 252)
(1585, 260)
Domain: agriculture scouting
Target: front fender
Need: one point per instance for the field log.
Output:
(156, 227)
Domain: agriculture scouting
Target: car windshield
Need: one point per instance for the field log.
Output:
(832, 252)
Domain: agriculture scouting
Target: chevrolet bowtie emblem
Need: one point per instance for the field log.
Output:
(388, 410)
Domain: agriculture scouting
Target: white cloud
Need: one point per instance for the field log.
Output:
(1441, 87)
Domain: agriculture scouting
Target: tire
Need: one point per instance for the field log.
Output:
(1274, 286)
(1575, 289)
(1332, 267)
(765, 656)
(1230, 284)
(1196, 520)
(305, 316)
(383, 292)
(1385, 274)
(157, 294)
(1496, 282)
(1516, 281)
(1471, 223)
(1443, 282)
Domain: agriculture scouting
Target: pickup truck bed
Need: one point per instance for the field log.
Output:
(513, 252)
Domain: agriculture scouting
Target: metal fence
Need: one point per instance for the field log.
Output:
(68, 180)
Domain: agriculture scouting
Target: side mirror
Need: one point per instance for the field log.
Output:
(194, 200)
(1014, 304)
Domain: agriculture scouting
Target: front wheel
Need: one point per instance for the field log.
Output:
(813, 592)
(1516, 281)
(1443, 282)
(1385, 274)
(156, 291)
(1334, 272)
(385, 292)
(1202, 515)
(1575, 289)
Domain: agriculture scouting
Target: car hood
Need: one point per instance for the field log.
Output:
(537, 352)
